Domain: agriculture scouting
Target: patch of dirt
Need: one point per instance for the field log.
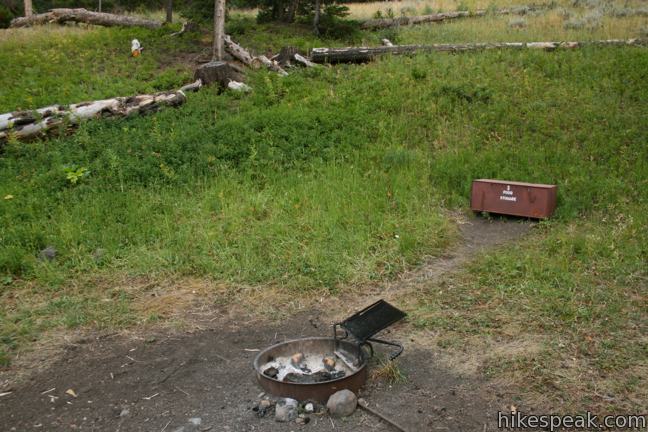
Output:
(144, 381)
(147, 384)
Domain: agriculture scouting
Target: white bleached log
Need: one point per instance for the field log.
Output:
(62, 15)
(303, 60)
(23, 125)
(363, 54)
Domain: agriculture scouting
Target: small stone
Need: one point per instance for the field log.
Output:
(271, 372)
(47, 254)
(196, 421)
(342, 403)
(286, 410)
(297, 359)
(329, 363)
(309, 408)
(265, 404)
(124, 412)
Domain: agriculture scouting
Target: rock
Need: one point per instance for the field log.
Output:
(329, 363)
(196, 421)
(342, 403)
(302, 419)
(297, 359)
(124, 412)
(263, 408)
(47, 254)
(309, 408)
(271, 372)
(286, 410)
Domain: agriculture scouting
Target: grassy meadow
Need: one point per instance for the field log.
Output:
(343, 176)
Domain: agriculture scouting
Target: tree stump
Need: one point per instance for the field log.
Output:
(286, 55)
(219, 72)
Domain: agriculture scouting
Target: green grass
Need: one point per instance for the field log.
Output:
(50, 65)
(580, 288)
(337, 176)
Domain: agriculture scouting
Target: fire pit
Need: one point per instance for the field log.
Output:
(315, 368)
(297, 368)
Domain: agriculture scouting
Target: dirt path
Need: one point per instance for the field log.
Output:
(203, 381)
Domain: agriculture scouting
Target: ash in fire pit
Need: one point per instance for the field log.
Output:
(306, 368)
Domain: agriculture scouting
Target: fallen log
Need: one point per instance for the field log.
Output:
(303, 60)
(61, 16)
(364, 54)
(238, 52)
(23, 125)
(244, 56)
(380, 23)
(272, 65)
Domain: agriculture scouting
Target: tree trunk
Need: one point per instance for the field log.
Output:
(292, 11)
(374, 24)
(61, 16)
(364, 54)
(23, 125)
(169, 11)
(316, 18)
(219, 29)
(29, 10)
(99, 8)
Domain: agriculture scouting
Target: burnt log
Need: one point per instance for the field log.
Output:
(218, 72)
(24, 125)
(364, 54)
(61, 16)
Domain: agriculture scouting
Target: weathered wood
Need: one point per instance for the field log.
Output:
(286, 55)
(23, 125)
(374, 24)
(364, 54)
(244, 56)
(29, 9)
(238, 52)
(273, 66)
(188, 26)
(217, 72)
(219, 30)
(60, 16)
(238, 86)
(194, 86)
(303, 60)
(168, 6)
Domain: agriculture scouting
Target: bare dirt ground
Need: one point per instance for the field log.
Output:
(172, 381)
